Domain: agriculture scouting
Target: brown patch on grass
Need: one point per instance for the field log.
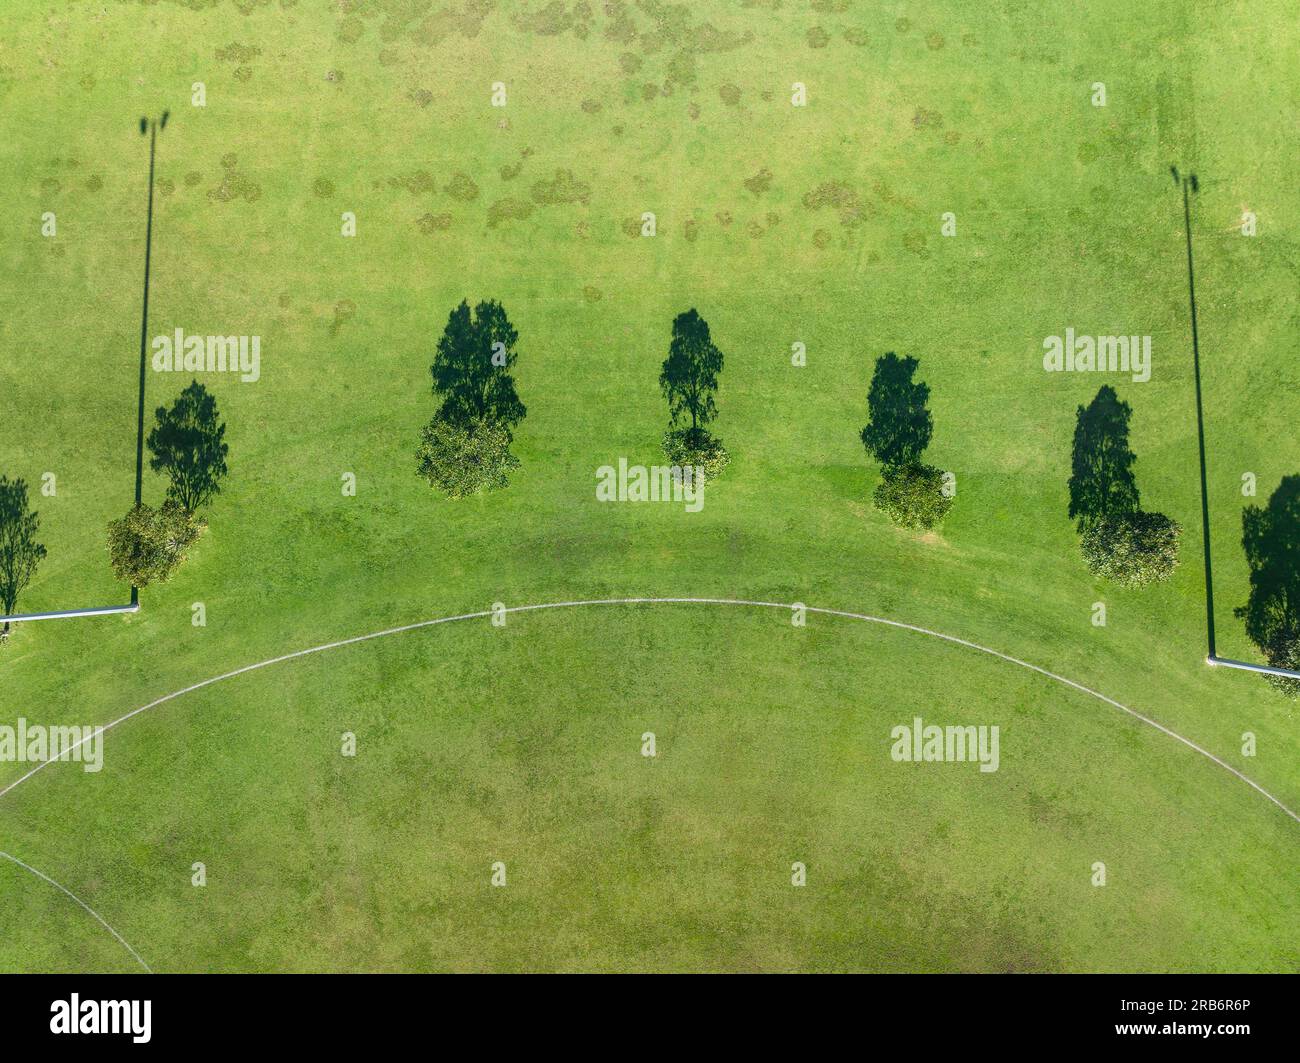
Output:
(351, 29)
(838, 196)
(934, 41)
(817, 37)
(94, 183)
(953, 136)
(344, 311)
(592, 294)
(237, 53)
(902, 24)
(914, 241)
(630, 62)
(461, 187)
(434, 223)
(166, 187)
(508, 210)
(632, 226)
(859, 38)
(724, 218)
(693, 111)
(760, 182)
(729, 94)
(822, 238)
(649, 90)
(691, 230)
(422, 97)
(924, 118)
(322, 187)
(193, 179)
(419, 183)
(592, 106)
(563, 188)
(233, 185)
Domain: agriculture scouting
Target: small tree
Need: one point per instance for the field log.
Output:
(20, 553)
(912, 495)
(689, 377)
(463, 460)
(1102, 482)
(899, 424)
(148, 545)
(471, 368)
(1132, 549)
(188, 445)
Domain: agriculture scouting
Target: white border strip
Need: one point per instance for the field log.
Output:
(70, 614)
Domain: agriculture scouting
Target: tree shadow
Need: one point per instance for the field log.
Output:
(899, 424)
(1102, 481)
(1271, 539)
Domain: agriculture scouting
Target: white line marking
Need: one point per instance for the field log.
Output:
(675, 601)
(68, 892)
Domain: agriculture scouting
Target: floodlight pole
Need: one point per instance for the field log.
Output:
(1189, 185)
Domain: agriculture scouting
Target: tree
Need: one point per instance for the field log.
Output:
(464, 459)
(1132, 549)
(689, 376)
(1102, 482)
(20, 553)
(188, 444)
(899, 424)
(1271, 538)
(471, 368)
(148, 545)
(912, 495)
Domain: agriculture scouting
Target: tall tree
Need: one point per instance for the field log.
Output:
(188, 444)
(471, 368)
(1102, 483)
(689, 377)
(899, 424)
(20, 553)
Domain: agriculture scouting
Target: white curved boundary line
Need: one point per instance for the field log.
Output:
(64, 889)
(672, 601)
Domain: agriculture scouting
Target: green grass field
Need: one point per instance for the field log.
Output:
(522, 744)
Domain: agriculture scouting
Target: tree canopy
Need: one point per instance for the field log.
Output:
(148, 545)
(187, 444)
(471, 368)
(689, 377)
(899, 424)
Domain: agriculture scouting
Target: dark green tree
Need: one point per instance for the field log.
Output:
(1271, 538)
(1102, 483)
(188, 445)
(148, 545)
(471, 368)
(899, 424)
(20, 553)
(689, 377)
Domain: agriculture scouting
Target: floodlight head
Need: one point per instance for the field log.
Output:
(1174, 170)
(163, 124)
(1195, 188)
(144, 124)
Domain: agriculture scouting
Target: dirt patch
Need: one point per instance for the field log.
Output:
(729, 94)
(351, 30)
(914, 241)
(563, 188)
(323, 188)
(233, 185)
(592, 106)
(434, 223)
(193, 179)
(760, 182)
(822, 238)
(237, 53)
(838, 196)
(857, 37)
(461, 187)
(420, 97)
(166, 187)
(630, 62)
(902, 24)
(924, 118)
(419, 183)
(508, 210)
(557, 18)
(691, 230)
(817, 37)
(344, 311)
(632, 226)
(592, 294)
(94, 183)
(934, 41)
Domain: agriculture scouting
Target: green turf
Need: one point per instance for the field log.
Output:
(522, 745)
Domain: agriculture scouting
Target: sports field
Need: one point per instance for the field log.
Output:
(521, 743)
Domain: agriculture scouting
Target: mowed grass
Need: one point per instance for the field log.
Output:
(1066, 218)
(523, 745)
